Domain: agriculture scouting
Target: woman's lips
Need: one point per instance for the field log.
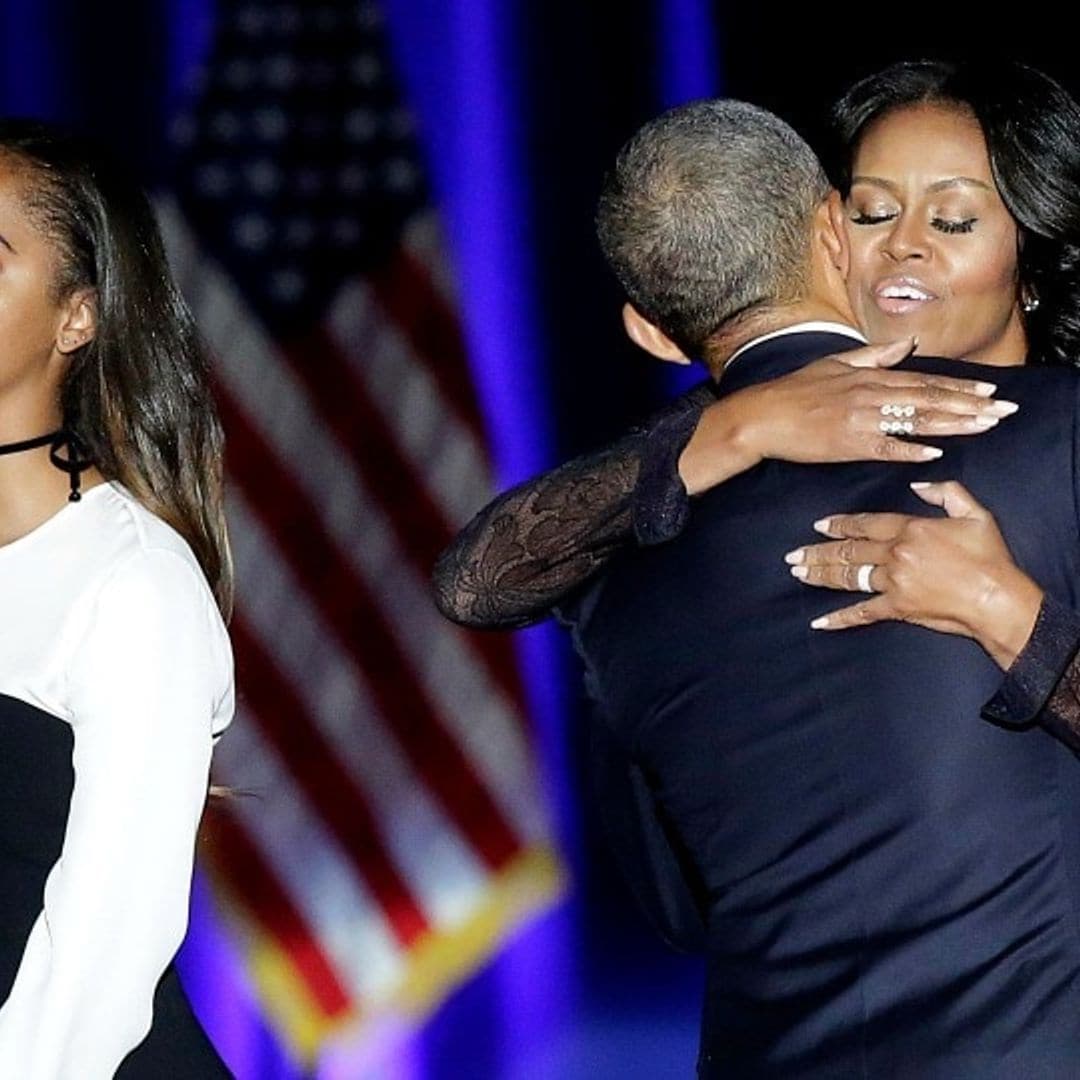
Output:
(902, 296)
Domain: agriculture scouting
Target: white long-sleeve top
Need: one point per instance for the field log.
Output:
(109, 626)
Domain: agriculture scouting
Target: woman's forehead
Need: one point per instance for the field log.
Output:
(929, 139)
(929, 147)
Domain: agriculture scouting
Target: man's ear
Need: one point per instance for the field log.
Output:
(650, 337)
(78, 322)
(833, 232)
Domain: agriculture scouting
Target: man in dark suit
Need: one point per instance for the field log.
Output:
(885, 884)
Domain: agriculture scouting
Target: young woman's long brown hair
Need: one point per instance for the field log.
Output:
(137, 397)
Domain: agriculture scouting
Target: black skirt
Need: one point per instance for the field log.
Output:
(36, 781)
(177, 1047)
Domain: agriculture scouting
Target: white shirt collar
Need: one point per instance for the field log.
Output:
(813, 327)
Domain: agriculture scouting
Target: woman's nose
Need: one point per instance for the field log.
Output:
(906, 240)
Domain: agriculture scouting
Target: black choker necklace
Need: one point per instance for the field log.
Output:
(29, 444)
(73, 463)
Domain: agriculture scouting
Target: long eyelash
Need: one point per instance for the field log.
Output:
(871, 219)
(944, 226)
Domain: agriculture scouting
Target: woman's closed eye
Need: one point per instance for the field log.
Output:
(872, 217)
(953, 225)
(949, 226)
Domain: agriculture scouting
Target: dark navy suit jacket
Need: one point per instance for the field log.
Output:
(887, 885)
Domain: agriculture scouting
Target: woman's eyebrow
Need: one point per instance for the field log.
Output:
(960, 181)
(937, 185)
(876, 181)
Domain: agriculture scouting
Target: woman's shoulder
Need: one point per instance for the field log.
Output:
(89, 550)
(125, 525)
(147, 589)
(120, 538)
(123, 552)
(144, 557)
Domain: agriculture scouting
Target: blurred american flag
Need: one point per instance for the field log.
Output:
(395, 832)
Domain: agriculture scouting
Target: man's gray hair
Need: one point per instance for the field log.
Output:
(707, 214)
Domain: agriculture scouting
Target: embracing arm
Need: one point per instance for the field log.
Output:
(149, 684)
(1043, 683)
(956, 574)
(535, 544)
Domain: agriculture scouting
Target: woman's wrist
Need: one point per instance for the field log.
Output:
(1006, 615)
(722, 445)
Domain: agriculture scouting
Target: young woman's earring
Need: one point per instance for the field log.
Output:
(1029, 302)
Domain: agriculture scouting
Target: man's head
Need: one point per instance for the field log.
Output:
(709, 214)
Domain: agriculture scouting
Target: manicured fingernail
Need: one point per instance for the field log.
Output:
(985, 389)
(931, 453)
(918, 485)
(820, 623)
(822, 525)
(800, 572)
(984, 423)
(795, 556)
(1003, 408)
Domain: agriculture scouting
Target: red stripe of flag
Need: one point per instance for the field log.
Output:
(407, 294)
(258, 888)
(348, 607)
(287, 725)
(419, 526)
(343, 403)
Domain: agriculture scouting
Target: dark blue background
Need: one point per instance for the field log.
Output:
(522, 107)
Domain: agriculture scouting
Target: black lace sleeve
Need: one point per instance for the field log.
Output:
(533, 545)
(1043, 683)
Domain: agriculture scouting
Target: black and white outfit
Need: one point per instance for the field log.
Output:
(115, 680)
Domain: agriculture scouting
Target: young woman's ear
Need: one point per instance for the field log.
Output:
(78, 323)
(650, 337)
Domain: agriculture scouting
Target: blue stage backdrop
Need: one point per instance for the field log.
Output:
(517, 115)
(336, 931)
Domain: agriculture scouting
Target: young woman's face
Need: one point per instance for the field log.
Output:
(933, 247)
(30, 316)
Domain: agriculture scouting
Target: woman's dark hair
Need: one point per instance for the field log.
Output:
(1032, 131)
(137, 396)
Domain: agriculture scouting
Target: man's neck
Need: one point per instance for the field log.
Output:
(728, 340)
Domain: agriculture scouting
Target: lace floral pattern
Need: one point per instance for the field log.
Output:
(534, 545)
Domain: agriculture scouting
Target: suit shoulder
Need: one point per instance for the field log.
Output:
(1046, 390)
(1057, 374)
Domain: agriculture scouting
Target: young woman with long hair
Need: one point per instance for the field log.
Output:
(115, 665)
